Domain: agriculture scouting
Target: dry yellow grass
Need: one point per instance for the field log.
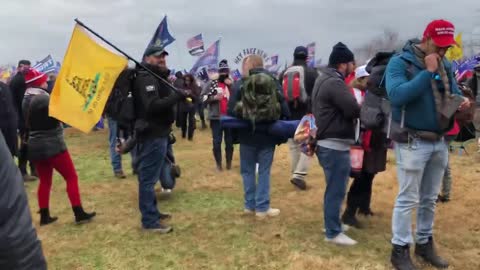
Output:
(210, 230)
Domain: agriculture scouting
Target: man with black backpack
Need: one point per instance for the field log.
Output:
(258, 99)
(154, 111)
(424, 98)
(297, 83)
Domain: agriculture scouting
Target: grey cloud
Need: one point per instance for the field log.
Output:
(34, 28)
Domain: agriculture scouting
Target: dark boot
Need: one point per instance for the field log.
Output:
(204, 125)
(81, 216)
(401, 259)
(33, 171)
(348, 216)
(217, 154)
(229, 157)
(45, 217)
(428, 253)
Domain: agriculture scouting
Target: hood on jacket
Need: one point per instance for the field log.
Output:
(380, 59)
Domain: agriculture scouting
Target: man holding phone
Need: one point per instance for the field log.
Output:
(424, 98)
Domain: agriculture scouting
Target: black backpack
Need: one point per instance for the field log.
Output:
(121, 104)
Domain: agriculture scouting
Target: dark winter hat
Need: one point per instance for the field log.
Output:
(24, 62)
(223, 67)
(340, 55)
(300, 52)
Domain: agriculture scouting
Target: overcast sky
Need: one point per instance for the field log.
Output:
(32, 29)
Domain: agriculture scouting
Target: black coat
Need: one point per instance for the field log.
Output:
(18, 88)
(8, 116)
(154, 105)
(20, 248)
(45, 133)
(375, 160)
(334, 107)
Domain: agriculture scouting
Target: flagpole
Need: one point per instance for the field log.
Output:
(126, 55)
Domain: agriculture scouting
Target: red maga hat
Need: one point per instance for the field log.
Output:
(441, 32)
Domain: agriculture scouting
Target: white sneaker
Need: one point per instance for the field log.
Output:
(166, 190)
(345, 228)
(342, 240)
(272, 212)
(248, 211)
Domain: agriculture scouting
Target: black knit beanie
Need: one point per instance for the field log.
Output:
(340, 55)
(223, 67)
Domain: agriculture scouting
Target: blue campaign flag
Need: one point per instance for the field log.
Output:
(311, 54)
(209, 59)
(236, 75)
(46, 65)
(162, 37)
(203, 75)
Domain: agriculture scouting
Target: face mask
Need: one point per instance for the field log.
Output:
(222, 77)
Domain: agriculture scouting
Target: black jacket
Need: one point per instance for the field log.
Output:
(45, 137)
(334, 107)
(310, 77)
(18, 88)
(8, 118)
(20, 248)
(154, 104)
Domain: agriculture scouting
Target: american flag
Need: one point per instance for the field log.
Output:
(195, 45)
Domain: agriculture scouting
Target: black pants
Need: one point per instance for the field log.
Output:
(201, 111)
(360, 193)
(22, 156)
(187, 123)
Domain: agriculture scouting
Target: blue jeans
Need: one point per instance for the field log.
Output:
(112, 137)
(257, 196)
(336, 167)
(420, 168)
(167, 181)
(151, 160)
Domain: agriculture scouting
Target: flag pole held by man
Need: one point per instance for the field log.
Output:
(85, 81)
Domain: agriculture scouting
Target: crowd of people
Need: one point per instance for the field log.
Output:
(409, 97)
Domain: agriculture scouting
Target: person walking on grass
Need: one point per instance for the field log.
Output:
(154, 109)
(47, 149)
(216, 96)
(18, 88)
(187, 107)
(369, 90)
(421, 88)
(257, 89)
(335, 110)
(302, 78)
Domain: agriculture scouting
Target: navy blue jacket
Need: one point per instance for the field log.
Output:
(259, 137)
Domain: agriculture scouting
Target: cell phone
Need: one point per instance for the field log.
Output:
(452, 104)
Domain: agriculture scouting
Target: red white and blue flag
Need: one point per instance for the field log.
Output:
(195, 45)
(311, 54)
(209, 59)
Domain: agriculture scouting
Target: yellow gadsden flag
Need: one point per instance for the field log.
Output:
(456, 51)
(84, 82)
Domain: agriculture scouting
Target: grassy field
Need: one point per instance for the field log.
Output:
(211, 231)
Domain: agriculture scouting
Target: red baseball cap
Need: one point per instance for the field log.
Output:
(35, 78)
(442, 33)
